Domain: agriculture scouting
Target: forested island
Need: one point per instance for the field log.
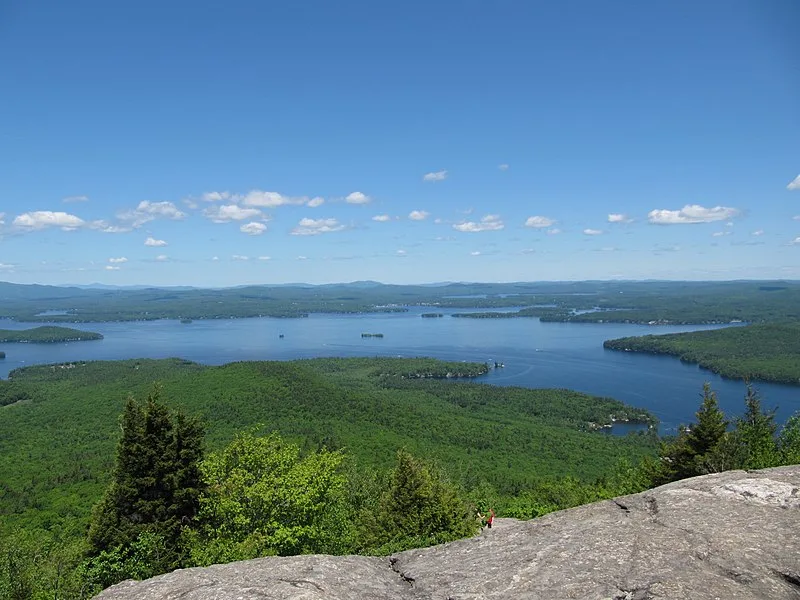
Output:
(769, 352)
(47, 335)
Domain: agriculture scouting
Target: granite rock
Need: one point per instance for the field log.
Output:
(727, 536)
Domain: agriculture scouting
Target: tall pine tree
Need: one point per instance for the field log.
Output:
(755, 434)
(156, 482)
(421, 506)
(700, 448)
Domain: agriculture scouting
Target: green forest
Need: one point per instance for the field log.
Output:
(769, 352)
(47, 334)
(119, 469)
(59, 428)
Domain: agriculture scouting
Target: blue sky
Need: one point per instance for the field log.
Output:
(224, 143)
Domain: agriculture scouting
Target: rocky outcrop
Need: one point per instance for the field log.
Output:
(728, 536)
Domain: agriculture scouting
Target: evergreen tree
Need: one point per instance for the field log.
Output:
(711, 425)
(789, 441)
(708, 439)
(155, 486)
(755, 434)
(422, 507)
(700, 448)
(188, 480)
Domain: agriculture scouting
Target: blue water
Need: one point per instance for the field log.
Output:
(535, 354)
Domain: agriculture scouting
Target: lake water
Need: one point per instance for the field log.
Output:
(535, 354)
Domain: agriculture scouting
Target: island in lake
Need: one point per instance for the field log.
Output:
(47, 334)
(371, 335)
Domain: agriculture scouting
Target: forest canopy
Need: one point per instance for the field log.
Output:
(47, 334)
(769, 352)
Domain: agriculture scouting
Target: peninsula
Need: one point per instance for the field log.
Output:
(769, 352)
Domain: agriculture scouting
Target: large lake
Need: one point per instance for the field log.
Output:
(535, 354)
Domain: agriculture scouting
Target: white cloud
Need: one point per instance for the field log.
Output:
(301, 257)
(503, 167)
(105, 227)
(316, 226)
(253, 228)
(216, 196)
(539, 222)
(475, 253)
(794, 184)
(224, 213)
(758, 232)
(162, 257)
(795, 242)
(487, 223)
(720, 233)
(592, 232)
(151, 241)
(691, 213)
(796, 217)
(438, 221)
(111, 268)
(357, 198)
(42, 219)
(381, 218)
(418, 215)
(75, 199)
(264, 258)
(435, 176)
(553, 231)
(239, 257)
(401, 253)
(271, 199)
(2, 216)
(5, 267)
(147, 211)
(215, 258)
(619, 218)
(261, 199)
(121, 259)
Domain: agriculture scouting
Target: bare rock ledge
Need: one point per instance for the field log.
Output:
(726, 536)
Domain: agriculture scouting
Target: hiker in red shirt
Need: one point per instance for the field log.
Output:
(490, 518)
